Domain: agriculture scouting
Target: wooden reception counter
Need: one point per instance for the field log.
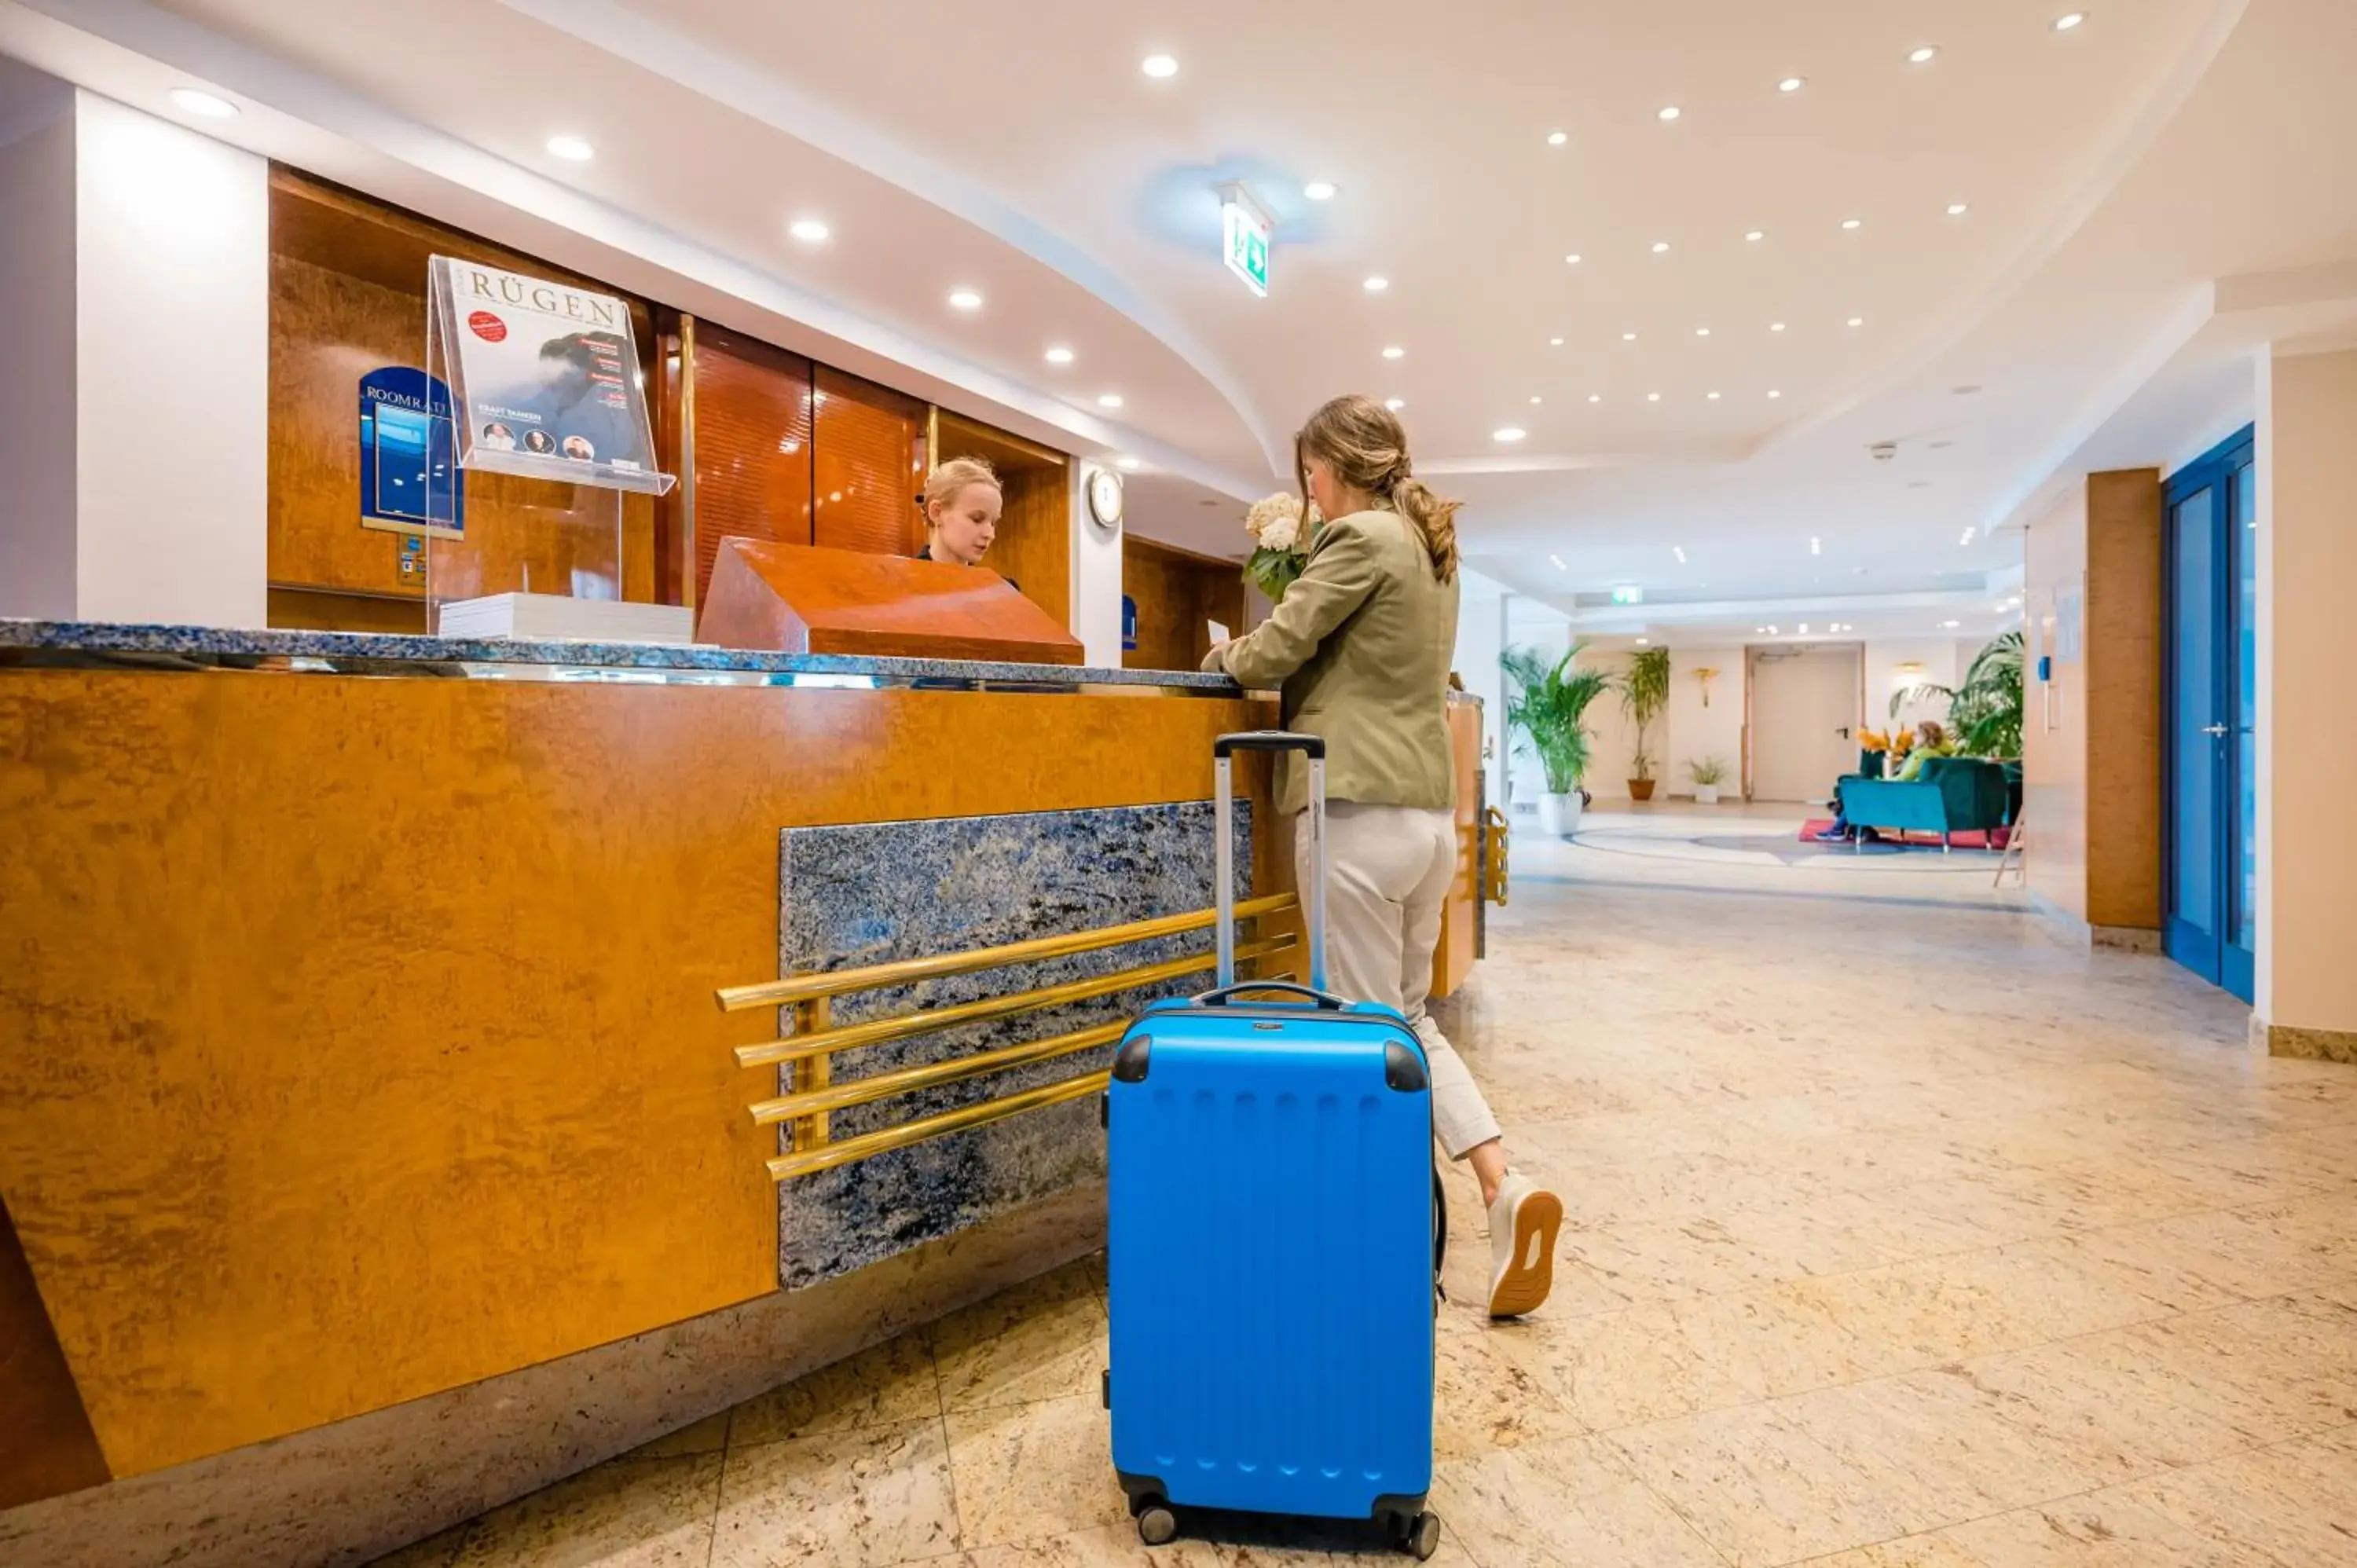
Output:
(360, 1032)
(364, 1088)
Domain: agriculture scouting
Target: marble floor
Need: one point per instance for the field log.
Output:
(1901, 1235)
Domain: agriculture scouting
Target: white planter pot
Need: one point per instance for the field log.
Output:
(1559, 815)
(1706, 794)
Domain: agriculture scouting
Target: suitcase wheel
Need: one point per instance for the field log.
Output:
(1419, 1536)
(1158, 1526)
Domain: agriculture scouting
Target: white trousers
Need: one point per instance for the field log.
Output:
(1387, 874)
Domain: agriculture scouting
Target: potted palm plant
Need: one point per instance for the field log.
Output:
(1707, 773)
(1644, 692)
(1546, 709)
(1986, 712)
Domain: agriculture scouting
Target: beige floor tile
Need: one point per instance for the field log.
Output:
(636, 1514)
(1575, 1503)
(1915, 1552)
(2295, 1505)
(1779, 1341)
(1699, 1257)
(1484, 1399)
(892, 1383)
(1041, 1341)
(867, 1497)
(1027, 1471)
(1759, 1489)
(2105, 1530)
(2264, 1370)
(1618, 1368)
(1229, 1542)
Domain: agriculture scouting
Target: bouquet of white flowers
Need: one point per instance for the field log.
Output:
(1281, 543)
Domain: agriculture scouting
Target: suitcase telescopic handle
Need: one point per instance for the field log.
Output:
(1227, 994)
(1313, 897)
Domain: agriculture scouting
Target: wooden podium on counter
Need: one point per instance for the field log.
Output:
(792, 598)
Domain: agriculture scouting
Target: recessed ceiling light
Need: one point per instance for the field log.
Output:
(1628, 336)
(1702, 331)
(1554, 342)
(1967, 536)
(2069, 20)
(1804, 628)
(1596, 397)
(1950, 625)
(1775, 395)
(1816, 546)
(1394, 352)
(965, 299)
(1756, 235)
(1376, 284)
(571, 149)
(204, 104)
(1572, 260)
(1558, 563)
(1510, 433)
(1680, 551)
(1923, 56)
(1109, 400)
(809, 231)
(1652, 397)
(1671, 112)
(1857, 321)
(1534, 401)
(1320, 190)
(1661, 247)
(1059, 355)
(1713, 396)
(1775, 326)
(1158, 66)
(1127, 464)
(1853, 223)
(1644, 642)
(1558, 138)
(1395, 403)
(1792, 84)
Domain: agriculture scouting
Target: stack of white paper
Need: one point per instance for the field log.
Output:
(552, 617)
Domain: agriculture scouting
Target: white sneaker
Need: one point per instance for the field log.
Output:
(1522, 1226)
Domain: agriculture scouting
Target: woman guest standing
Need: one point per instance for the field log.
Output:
(961, 504)
(1362, 645)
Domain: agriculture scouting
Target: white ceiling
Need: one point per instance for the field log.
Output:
(2113, 174)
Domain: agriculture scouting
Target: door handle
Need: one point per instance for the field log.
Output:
(2215, 730)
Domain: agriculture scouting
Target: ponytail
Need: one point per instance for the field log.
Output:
(1434, 518)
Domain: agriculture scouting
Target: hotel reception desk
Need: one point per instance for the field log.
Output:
(365, 1095)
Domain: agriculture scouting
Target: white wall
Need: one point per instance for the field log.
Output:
(36, 385)
(1096, 614)
(1883, 678)
(1697, 731)
(2306, 468)
(172, 319)
(1480, 638)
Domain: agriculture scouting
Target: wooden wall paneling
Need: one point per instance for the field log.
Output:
(314, 609)
(672, 405)
(869, 447)
(1178, 594)
(47, 1445)
(348, 295)
(1034, 546)
(2121, 640)
(753, 445)
(361, 1032)
(1453, 956)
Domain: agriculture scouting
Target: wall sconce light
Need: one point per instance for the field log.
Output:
(1702, 678)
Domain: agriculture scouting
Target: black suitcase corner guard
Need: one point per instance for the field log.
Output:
(1403, 1068)
(1129, 1065)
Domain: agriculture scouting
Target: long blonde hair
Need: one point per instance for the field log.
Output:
(1365, 445)
(944, 484)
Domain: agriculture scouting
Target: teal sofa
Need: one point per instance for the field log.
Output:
(1952, 795)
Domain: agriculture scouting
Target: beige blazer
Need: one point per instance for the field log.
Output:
(1360, 647)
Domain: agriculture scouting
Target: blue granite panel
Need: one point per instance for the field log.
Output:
(869, 893)
(198, 647)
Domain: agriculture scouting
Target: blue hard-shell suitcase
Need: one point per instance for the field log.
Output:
(1271, 1247)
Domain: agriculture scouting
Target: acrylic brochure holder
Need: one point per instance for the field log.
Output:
(547, 438)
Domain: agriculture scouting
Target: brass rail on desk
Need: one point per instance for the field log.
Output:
(1493, 865)
(811, 1049)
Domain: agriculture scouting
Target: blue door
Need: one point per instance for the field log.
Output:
(2210, 749)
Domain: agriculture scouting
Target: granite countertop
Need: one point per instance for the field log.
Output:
(86, 643)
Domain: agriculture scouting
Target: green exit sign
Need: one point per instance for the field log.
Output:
(1244, 231)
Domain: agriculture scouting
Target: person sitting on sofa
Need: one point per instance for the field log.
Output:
(1930, 740)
